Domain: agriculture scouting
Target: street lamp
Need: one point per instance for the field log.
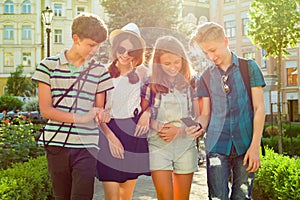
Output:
(47, 19)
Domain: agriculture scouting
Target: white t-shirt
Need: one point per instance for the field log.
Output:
(126, 97)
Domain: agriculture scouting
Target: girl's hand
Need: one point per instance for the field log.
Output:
(194, 131)
(115, 146)
(142, 126)
(168, 132)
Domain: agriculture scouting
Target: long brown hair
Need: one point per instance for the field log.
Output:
(169, 44)
(138, 53)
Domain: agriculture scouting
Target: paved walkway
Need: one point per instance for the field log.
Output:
(144, 189)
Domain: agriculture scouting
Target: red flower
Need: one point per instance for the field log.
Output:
(5, 121)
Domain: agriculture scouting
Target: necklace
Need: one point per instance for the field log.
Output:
(172, 86)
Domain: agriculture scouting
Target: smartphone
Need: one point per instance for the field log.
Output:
(188, 121)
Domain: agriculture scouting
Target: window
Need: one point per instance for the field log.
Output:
(8, 7)
(250, 55)
(26, 7)
(263, 59)
(292, 76)
(292, 73)
(26, 59)
(8, 32)
(57, 10)
(80, 10)
(245, 21)
(230, 28)
(57, 36)
(8, 59)
(26, 32)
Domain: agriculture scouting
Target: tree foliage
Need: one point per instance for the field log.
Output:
(19, 85)
(275, 27)
(155, 13)
(155, 18)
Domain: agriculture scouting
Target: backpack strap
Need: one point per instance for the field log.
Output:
(243, 66)
(244, 69)
(86, 73)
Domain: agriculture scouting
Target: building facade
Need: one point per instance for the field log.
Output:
(20, 37)
(23, 38)
(233, 15)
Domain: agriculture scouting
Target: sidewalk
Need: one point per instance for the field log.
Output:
(144, 189)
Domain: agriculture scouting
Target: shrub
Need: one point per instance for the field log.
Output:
(291, 146)
(271, 130)
(29, 180)
(31, 105)
(17, 143)
(291, 130)
(8, 102)
(277, 178)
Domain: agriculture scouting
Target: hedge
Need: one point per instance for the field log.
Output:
(29, 180)
(291, 146)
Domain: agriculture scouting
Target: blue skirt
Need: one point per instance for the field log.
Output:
(136, 156)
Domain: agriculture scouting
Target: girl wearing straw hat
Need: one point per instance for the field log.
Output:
(124, 149)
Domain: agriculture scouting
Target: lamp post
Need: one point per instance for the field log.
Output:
(47, 19)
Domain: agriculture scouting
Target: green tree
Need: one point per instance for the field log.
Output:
(154, 18)
(155, 13)
(275, 27)
(19, 85)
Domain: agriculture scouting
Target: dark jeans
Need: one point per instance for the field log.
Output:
(72, 172)
(219, 169)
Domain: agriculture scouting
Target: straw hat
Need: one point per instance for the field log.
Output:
(130, 28)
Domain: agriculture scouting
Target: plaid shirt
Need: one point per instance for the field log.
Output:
(231, 121)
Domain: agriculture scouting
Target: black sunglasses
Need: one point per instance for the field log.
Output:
(226, 87)
(122, 50)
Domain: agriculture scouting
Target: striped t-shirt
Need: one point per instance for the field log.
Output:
(59, 74)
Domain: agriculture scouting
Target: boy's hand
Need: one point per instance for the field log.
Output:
(103, 116)
(84, 118)
(252, 158)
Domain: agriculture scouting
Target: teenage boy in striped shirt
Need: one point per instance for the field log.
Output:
(71, 134)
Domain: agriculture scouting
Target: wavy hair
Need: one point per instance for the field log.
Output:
(159, 82)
